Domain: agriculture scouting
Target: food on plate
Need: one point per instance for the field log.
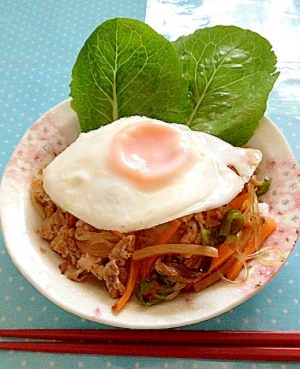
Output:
(150, 207)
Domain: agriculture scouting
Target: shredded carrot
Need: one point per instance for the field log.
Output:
(165, 237)
(117, 233)
(225, 251)
(212, 278)
(130, 286)
(265, 230)
(237, 202)
(146, 267)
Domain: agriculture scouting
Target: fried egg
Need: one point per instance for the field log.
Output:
(137, 172)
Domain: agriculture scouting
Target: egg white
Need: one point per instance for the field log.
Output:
(81, 181)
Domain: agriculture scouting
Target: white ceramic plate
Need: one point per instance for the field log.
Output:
(39, 264)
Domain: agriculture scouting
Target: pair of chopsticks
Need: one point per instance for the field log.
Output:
(214, 345)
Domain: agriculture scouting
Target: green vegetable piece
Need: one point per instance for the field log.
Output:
(264, 188)
(211, 236)
(126, 68)
(232, 223)
(154, 289)
(230, 72)
(230, 226)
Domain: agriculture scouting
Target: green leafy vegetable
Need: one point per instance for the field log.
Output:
(231, 72)
(126, 68)
(216, 80)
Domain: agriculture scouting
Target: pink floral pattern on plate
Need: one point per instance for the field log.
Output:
(283, 199)
(50, 135)
(44, 140)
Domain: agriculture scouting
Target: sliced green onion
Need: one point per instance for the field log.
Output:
(264, 187)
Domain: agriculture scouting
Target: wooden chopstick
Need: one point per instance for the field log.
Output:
(213, 345)
(255, 338)
(221, 352)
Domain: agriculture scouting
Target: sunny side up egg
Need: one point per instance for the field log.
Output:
(137, 172)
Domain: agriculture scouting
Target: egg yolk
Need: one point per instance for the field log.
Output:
(149, 154)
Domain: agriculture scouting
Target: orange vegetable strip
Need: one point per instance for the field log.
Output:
(130, 286)
(174, 248)
(225, 252)
(118, 234)
(214, 277)
(165, 237)
(146, 267)
(237, 202)
(167, 234)
(265, 230)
